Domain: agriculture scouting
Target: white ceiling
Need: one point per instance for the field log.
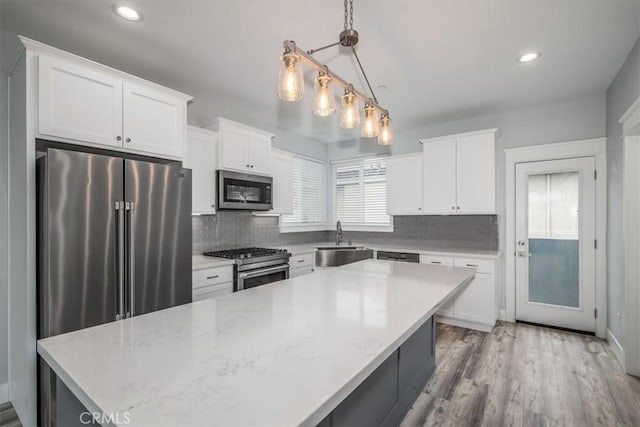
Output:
(438, 59)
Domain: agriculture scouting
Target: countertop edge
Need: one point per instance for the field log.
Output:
(303, 249)
(77, 391)
(332, 402)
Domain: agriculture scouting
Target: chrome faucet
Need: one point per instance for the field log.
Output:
(338, 234)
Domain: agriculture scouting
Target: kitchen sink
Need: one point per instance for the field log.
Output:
(333, 256)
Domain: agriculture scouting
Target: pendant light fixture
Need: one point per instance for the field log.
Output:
(350, 112)
(324, 101)
(370, 123)
(291, 85)
(385, 135)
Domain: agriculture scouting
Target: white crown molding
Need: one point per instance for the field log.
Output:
(41, 48)
(630, 120)
(493, 131)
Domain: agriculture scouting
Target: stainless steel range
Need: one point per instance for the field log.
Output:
(256, 266)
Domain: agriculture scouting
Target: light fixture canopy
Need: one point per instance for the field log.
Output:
(369, 127)
(529, 57)
(350, 113)
(127, 12)
(324, 102)
(291, 83)
(324, 99)
(385, 135)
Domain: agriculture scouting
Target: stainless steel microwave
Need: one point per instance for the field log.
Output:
(237, 190)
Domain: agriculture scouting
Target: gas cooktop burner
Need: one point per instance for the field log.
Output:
(245, 253)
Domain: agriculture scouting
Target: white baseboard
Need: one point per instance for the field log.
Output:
(464, 324)
(617, 349)
(502, 315)
(4, 392)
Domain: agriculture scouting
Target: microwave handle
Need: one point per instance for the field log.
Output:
(261, 272)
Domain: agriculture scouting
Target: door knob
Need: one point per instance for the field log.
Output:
(523, 254)
(521, 242)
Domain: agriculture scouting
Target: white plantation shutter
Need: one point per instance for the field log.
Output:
(308, 179)
(361, 192)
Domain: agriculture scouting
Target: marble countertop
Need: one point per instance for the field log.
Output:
(286, 353)
(200, 262)
(426, 249)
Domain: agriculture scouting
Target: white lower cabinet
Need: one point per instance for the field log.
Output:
(302, 264)
(212, 282)
(474, 307)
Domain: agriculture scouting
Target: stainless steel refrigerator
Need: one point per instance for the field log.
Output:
(114, 241)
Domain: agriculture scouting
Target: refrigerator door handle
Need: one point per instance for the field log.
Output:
(120, 268)
(130, 207)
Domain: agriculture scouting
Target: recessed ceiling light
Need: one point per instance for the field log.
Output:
(128, 13)
(529, 57)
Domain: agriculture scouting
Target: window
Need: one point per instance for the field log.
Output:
(308, 192)
(360, 193)
(554, 201)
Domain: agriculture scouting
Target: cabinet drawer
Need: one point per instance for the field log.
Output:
(301, 271)
(436, 260)
(212, 291)
(212, 276)
(481, 265)
(304, 260)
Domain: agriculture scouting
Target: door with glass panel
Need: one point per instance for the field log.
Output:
(555, 243)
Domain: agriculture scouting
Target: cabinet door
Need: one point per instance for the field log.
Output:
(259, 153)
(234, 147)
(78, 104)
(476, 174)
(154, 123)
(475, 302)
(200, 158)
(404, 185)
(282, 173)
(439, 172)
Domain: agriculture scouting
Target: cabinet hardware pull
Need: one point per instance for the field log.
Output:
(458, 208)
(436, 262)
(213, 277)
(472, 265)
(128, 140)
(248, 165)
(251, 166)
(453, 208)
(301, 260)
(119, 138)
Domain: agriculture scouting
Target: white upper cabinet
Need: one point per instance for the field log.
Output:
(243, 148)
(459, 174)
(82, 102)
(439, 172)
(476, 174)
(404, 185)
(78, 103)
(154, 123)
(259, 153)
(282, 173)
(200, 158)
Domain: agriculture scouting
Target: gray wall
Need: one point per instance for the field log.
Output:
(571, 120)
(622, 93)
(229, 229)
(4, 278)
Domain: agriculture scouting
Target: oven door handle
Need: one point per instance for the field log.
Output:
(263, 271)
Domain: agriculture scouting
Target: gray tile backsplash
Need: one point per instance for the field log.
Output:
(232, 229)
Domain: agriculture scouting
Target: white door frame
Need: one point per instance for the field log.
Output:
(630, 121)
(596, 148)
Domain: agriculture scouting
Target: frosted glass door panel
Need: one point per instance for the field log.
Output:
(554, 224)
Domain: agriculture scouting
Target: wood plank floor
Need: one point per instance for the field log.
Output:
(8, 416)
(523, 375)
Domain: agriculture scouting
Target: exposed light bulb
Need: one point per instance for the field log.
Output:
(369, 127)
(350, 114)
(385, 137)
(291, 84)
(324, 103)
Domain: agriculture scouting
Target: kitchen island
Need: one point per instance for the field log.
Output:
(289, 353)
